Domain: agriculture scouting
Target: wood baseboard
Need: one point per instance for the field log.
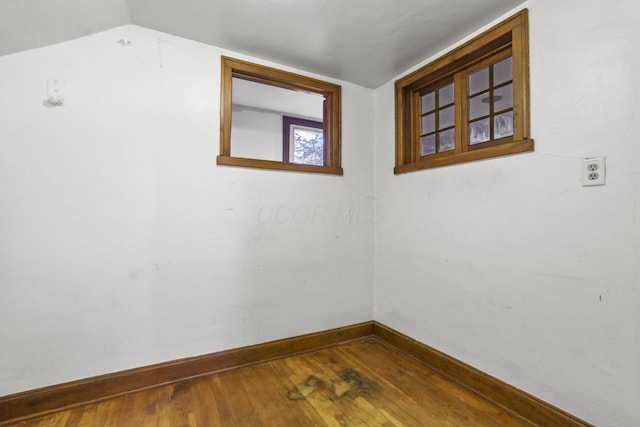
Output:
(49, 399)
(512, 399)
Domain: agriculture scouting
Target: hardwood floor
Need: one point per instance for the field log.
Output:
(362, 383)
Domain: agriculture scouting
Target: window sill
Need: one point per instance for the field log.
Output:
(273, 165)
(516, 147)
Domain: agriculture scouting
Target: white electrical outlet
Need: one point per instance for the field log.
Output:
(593, 172)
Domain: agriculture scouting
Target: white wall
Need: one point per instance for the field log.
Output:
(256, 134)
(272, 98)
(123, 244)
(510, 264)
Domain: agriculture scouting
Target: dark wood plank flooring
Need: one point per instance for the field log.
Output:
(362, 383)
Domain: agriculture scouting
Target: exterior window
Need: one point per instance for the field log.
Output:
(303, 142)
(471, 104)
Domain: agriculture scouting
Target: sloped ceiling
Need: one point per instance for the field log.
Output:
(27, 24)
(367, 42)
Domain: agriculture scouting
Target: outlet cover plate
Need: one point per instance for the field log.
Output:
(593, 172)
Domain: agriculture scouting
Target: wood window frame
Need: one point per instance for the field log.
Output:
(511, 34)
(332, 94)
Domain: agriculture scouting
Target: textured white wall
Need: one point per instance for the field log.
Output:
(256, 134)
(291, 102)
(123, 244)
(510, 264)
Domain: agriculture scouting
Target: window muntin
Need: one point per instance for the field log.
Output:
(437, 120)
(490, 102)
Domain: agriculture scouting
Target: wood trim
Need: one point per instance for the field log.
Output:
(277, 77)
(521, 101)
(469, 156)
(512, 399)
(273, 165)
(49, 399)
(332, 109)
(511, 34)
(226, 92)
(57, 397)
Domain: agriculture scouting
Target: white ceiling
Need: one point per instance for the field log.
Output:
(367, 42)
